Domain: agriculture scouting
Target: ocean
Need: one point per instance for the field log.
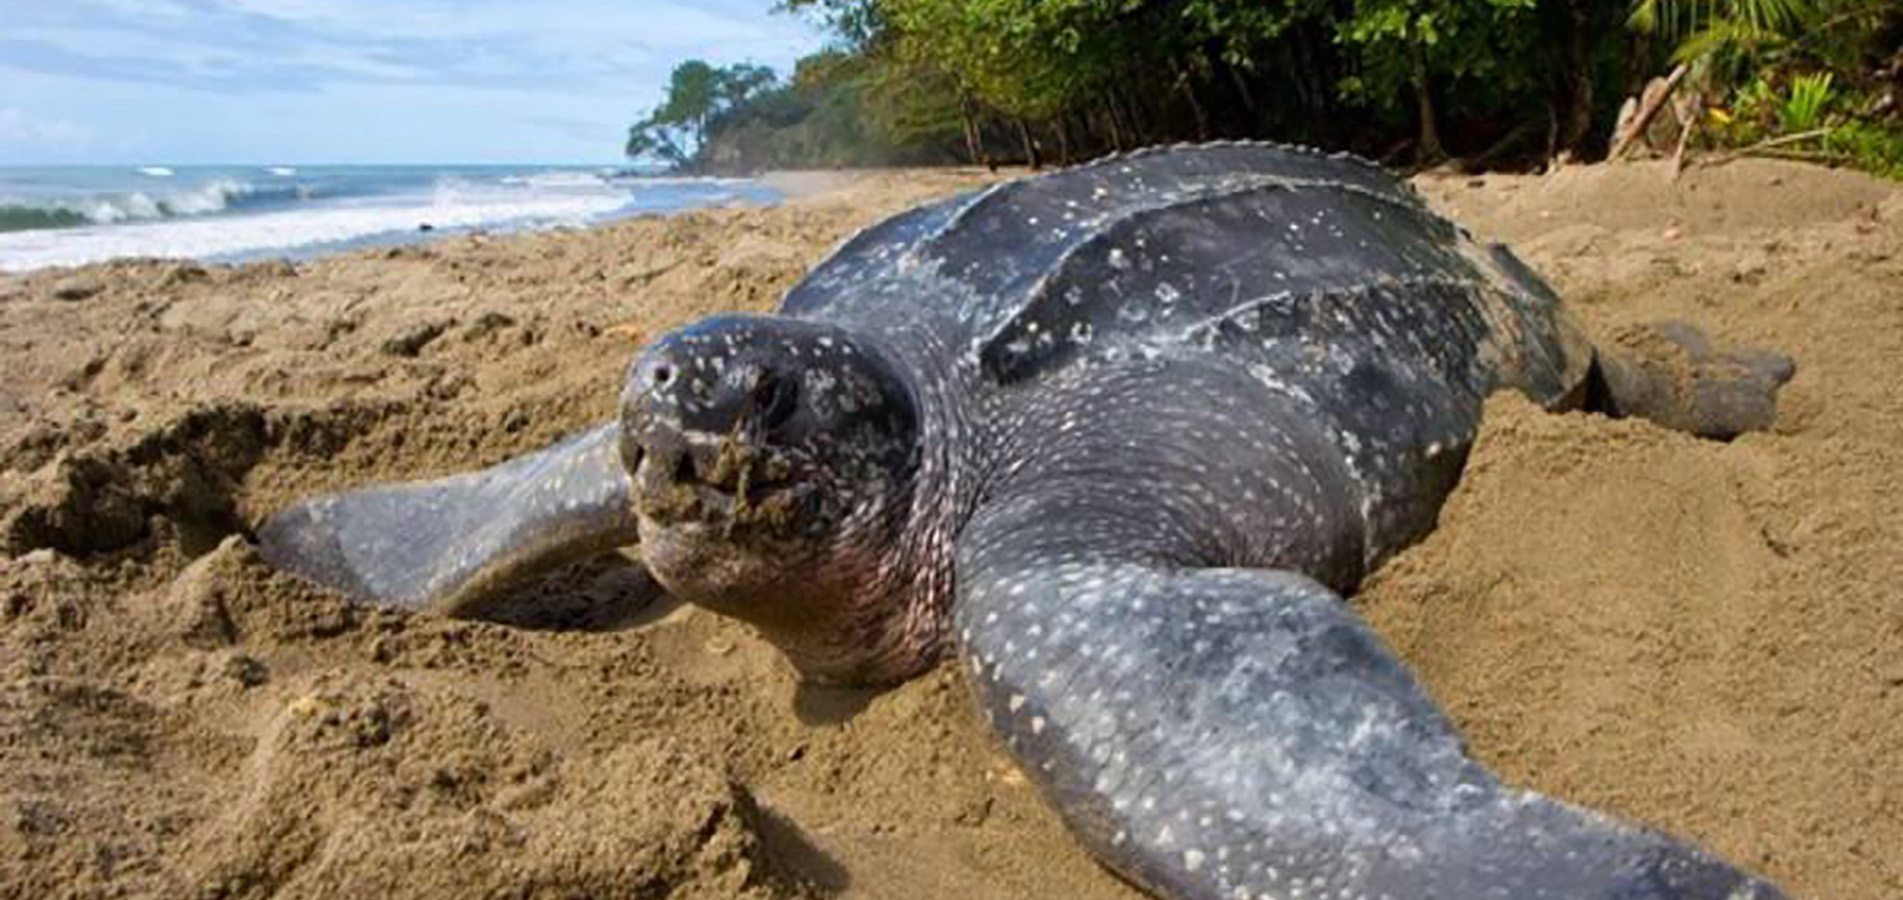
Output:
(69, 215)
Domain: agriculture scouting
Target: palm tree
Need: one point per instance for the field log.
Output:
(1726, 32)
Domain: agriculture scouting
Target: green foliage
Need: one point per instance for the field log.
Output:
(1240, 31)
(1869, 146)
(1480, 44)
(1752, 116)
(858, 24)
(697, 93)
(1678, 20)
(692, 94)
(1732, 36)
(1760, 112)
(979, 80)
(840, 108)
(1023, 57)
(1810, 98)
(865, 111)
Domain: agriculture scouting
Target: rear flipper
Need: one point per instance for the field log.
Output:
(1670, 373)
(453, 544)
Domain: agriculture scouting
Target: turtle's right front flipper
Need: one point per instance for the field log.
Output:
(1213, 733)
(448, 544)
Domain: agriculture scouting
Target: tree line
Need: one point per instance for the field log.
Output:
(1405, 81)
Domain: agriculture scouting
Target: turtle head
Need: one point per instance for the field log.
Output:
(772, 462)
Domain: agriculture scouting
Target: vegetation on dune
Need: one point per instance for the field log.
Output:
(699, 96)
(1406, 81)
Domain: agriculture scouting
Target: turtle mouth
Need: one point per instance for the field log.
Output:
(731, 483)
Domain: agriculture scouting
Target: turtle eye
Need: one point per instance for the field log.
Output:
(775, 399)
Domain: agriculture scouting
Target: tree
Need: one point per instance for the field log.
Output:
(919, 80)
(859, 24)
(1477, 49)
(1725, 30)
(697, 93)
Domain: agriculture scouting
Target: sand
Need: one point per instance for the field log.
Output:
(1707, 637)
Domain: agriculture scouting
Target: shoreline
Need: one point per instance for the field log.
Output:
(1699, 636)
(213, 215)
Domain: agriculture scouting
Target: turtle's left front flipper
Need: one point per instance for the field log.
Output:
(1213, 733)
(449, 544)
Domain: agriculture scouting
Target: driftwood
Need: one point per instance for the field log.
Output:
(1781, 141)
(1521, 134)
(1684, 140)
(1772, 147)
(1647, 112)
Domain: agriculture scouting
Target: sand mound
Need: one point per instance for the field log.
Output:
(1704, 636)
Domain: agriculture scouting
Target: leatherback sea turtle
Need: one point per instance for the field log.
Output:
(1120, 438)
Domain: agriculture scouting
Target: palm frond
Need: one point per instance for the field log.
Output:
(1758, 19)
(1718, 37)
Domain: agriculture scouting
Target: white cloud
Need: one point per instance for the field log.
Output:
(21, 130)
(257, 45)
(587, 22)
(322, 80)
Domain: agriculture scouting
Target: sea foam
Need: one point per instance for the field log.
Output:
(291, 230)
(74, 216)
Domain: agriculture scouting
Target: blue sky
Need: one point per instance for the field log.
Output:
(356, 81)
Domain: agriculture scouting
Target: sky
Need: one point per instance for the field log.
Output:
(261, 82)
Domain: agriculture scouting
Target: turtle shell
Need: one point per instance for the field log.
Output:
(1171, 247)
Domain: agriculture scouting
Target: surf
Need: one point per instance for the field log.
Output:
(225, 214)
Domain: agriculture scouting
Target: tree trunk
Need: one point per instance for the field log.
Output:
(1141, 117)
(1031, 157)
(1248, 97)
(1144, 120)
(1428, 151)
(1552, 135)
(974, 135)
(1577, 129)
(1684, 141)
(1315, 112)
(1062, 126)
(1195, 106)
(1227, 97)
(1116, 125)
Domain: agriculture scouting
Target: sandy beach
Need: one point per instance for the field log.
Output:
(1707, 637)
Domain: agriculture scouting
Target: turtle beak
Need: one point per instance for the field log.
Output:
(674, 391)
(630, 450)
(681, 423)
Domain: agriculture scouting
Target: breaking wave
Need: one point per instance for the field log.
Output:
(135, 206)
(215, 237)
(74, 216)
(29, 218)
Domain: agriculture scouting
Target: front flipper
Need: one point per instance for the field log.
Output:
(450, 544)
(1221, 733)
